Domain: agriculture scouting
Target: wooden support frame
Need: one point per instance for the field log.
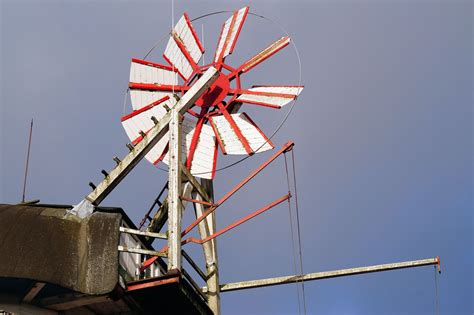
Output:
(116, 175)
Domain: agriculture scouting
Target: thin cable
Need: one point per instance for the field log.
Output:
(293, 241)
(203, 44)
(298, 226)
(172, 26)
(436, 291)
(27, 161)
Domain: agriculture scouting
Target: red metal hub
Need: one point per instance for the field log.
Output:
(216, 93)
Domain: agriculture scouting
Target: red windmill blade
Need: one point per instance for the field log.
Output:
(213, 121)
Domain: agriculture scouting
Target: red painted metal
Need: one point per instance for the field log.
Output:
(193, 31)
(144, 108)
(259, 130)
(185, 51)
(220, 36)
(157, 87)
(236, 129)
(162, 156)
(176, 69)
(226, 41)
(238, 30)
(214, 163)
(152, 64)
(219, 140)
(261, 56)
(195, 139)
(286, 147)
(238, 222)
(271, 94)
(258, 103)
(151, 284)
(197, 201)
(216, 93)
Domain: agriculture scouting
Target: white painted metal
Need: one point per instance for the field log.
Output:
(140, 73)
(140, 98)
(271, 100)
(143, 122)
(177, 58)
(203, 162)
(143, 233)
(182, 32)
(229, 33)
(270, 50)
(229, 139)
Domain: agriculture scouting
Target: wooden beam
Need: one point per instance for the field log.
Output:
(175, 207)
(144, 233)
(201, 190)
(121, 248)
(325, 275)
(33, 291)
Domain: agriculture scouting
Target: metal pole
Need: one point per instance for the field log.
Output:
(27, 161)
(326, 274)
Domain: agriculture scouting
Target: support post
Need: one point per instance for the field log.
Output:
(175, 190)
(207, 227)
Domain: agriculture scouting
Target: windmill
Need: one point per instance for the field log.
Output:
(182, 114)
(214, 119)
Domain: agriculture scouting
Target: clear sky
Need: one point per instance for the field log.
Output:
(383, 134)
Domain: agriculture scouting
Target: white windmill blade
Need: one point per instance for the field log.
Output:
(272, 49)
(184, 49)
(230, 33)
(150, 82)
(204, 160)
(229, 140)
(141, 121)
(274, 96)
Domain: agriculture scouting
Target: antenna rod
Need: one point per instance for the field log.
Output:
(27, 161)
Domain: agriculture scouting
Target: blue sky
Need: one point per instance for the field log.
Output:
(383, 134)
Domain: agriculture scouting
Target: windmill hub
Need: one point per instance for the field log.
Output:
(216, 93)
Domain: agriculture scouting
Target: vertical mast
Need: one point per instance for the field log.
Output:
(175, 188)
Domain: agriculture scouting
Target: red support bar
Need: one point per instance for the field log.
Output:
(145, 108)
(238, 222)
(157, 87)
(153, 64)
(193, 31)
(236, 129)
(286, 147)
(184, 50)
(210, 204)
(248, 92)
(195, 139)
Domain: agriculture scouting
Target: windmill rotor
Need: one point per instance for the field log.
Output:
(215, 121)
